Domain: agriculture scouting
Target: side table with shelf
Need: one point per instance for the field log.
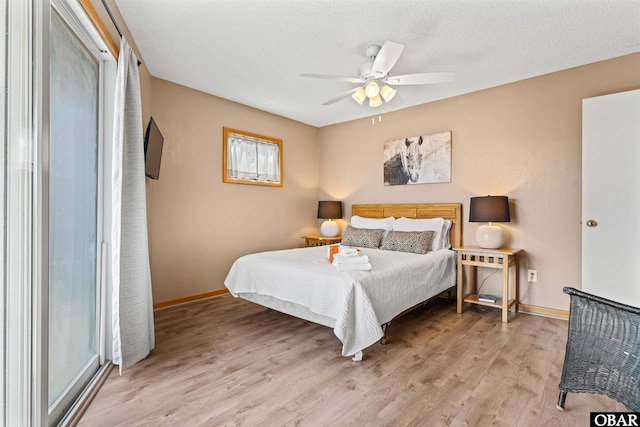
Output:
(504, 259)
(321, 241)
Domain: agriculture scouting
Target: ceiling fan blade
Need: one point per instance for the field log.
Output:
(341, 96)
(333, 77)
(421, 78)
(387, 58)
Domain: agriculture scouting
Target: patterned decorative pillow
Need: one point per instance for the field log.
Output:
(362, 237)
(417, 242)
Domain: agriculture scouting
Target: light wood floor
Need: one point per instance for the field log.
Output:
(228, 362)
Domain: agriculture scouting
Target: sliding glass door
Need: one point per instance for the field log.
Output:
(73, 215)
(55, 119)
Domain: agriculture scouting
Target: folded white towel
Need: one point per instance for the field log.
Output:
(353, 267)
(348, 250)
(348, 259)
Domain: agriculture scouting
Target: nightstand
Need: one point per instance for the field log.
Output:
(320, 241)
(503, 259)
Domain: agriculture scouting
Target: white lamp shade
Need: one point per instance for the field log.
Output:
(372, 89)
(387, 93)
(329, 228)
(375, 102)
(359, 96)
(490, 236)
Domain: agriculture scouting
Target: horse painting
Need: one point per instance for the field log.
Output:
(418, 160)
(404, 166)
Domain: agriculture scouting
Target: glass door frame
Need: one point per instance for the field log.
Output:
(75, 17)
(24, 168)
(26, 162)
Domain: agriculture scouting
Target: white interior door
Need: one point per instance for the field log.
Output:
(611, 196)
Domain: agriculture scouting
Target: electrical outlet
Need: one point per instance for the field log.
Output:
(532, 275)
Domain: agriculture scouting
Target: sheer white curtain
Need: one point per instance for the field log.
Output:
(132, 304)
(242, 162)
(268, 162)
(249, 158)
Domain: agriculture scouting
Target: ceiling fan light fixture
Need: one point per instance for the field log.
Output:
(387, 92)
(372, 89)
(373, 77)
(359, 96)
(376, 101)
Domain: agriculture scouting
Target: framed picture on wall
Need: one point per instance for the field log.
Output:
(423, 159)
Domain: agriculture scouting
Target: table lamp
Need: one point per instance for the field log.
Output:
(329, 210)
(489, 209)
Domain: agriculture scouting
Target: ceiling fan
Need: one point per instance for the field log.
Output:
(374, 76)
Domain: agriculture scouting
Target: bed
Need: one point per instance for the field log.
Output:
(358, 305)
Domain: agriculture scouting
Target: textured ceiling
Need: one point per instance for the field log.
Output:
(253, 51)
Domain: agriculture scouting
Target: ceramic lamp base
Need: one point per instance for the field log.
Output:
(330, 228)
(490, 236)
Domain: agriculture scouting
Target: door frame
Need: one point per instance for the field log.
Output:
(76, 18)
(25, 267)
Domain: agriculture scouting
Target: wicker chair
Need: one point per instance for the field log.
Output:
(603, 350)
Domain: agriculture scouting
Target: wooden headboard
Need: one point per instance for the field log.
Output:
(450, 211)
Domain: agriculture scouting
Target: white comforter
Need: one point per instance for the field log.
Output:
(359, 301)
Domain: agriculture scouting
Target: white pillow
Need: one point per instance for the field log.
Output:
(445, 236)
(372, 223)
(439, 226)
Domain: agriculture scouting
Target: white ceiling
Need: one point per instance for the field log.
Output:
(253, 51)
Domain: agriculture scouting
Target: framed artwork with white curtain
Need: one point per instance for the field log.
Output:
(248, 158)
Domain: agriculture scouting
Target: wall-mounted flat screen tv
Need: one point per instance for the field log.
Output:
(153, 141)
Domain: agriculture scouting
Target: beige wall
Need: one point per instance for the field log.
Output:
(522, 140)
(199, 225)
